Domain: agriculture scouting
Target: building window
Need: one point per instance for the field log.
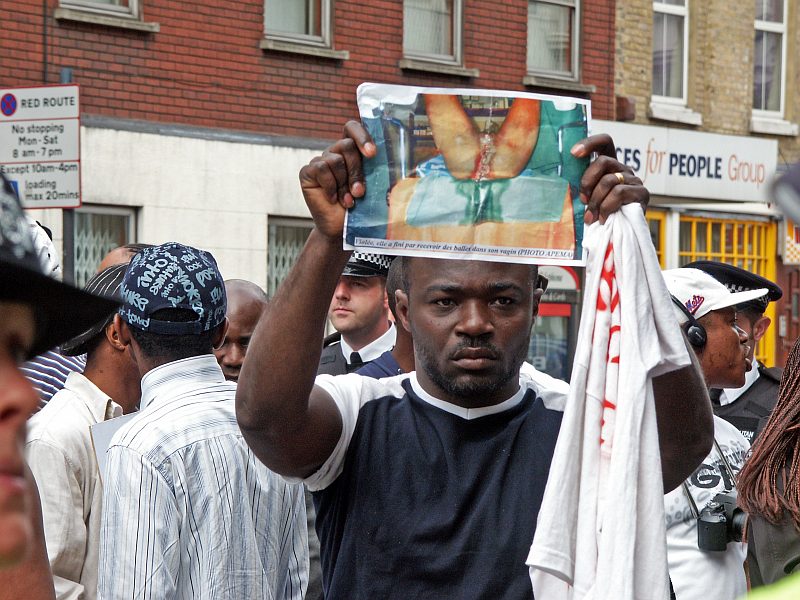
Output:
(300, 21)
(90, 232)
(553, 37)
(769, 56)
(749, 245)
(670, 36)
(657, 222)
(432, 30)
(286, 239)
(116, 8)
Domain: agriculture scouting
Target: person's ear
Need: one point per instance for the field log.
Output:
(123, 333)
(760, 328)
(113, 333)
(537, 297)
(219, 334)
(401, 306)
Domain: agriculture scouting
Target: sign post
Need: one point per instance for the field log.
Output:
(40, 144)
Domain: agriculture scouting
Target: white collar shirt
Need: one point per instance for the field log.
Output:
(729, 395)
(374, 349)
(189, 511)
(61, 456)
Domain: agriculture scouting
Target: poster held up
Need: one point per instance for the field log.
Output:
(471, 174)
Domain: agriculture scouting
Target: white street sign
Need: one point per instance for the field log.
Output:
(40, 144)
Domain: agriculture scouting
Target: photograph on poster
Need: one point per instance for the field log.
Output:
(471, 174)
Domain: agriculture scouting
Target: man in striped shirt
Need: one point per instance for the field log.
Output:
(189, 512)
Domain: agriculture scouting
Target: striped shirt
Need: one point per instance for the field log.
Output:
(48, 372)
(189, 511)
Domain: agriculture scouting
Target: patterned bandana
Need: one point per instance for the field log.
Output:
(173, 276)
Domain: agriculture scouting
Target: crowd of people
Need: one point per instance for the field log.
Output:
(167, 433)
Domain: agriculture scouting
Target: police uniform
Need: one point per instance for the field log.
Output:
(752, 404)
(751, 409)
(332, 361)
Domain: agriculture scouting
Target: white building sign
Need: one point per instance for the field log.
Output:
(677, 162)
(40, 144)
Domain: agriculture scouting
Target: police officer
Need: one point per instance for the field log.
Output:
(359, 313)
(747, 407)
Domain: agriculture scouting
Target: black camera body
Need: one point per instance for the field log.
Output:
(720, 522)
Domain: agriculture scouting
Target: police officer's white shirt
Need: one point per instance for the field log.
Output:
(374, 349)
(730, 395)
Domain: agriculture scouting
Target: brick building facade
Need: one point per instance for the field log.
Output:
(196, 118)
(692, 72)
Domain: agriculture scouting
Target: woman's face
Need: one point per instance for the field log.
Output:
(17, 402)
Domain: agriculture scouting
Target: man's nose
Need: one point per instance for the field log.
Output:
(743, 337)
(18, 400)
(342, 290)
(234, 356)
(475, 319)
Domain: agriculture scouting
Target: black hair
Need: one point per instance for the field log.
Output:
(394, 282)
(174, 347)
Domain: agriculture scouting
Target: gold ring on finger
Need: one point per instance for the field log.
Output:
(620, 177)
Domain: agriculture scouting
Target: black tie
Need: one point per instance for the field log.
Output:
(355, 362)
(714, 394)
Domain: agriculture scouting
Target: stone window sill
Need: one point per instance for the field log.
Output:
(416, 64)
(558, 84)
(83, 16)
(674, 113)
(773, 126)
(307, 49)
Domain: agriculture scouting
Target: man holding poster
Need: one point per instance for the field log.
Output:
(428, 484)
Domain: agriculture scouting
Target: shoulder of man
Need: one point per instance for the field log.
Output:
(773, 373)
(331, 340)
(332, 361)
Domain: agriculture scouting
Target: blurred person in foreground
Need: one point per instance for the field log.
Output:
(36, 313)
(60, 451)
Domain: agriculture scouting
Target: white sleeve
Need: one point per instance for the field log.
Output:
(349, 392)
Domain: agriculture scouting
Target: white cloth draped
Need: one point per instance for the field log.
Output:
(600, 532)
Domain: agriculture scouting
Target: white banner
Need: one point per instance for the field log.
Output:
(677, 162)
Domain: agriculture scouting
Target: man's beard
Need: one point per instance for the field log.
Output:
(475, 386)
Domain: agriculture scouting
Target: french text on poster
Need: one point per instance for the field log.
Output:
(462, 173)
(40, 144)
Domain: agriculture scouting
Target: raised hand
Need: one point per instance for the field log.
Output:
(607, 183)
(332, 181)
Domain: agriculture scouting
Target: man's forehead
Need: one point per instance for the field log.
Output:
(431, 270)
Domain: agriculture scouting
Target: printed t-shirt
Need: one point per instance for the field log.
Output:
(697, 574)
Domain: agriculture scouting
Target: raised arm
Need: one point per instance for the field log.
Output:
(291, 425)
(683, 410)
(685, 422)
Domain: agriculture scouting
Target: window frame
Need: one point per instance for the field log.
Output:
(132, 11)
(324, 40)
(574, 73)
(71, 222)
(278, 221)
(781, 28)
(457, 58)
(680, 11)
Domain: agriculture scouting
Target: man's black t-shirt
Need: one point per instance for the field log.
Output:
(431, 504)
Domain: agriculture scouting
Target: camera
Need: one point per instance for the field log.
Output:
(720, 522)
